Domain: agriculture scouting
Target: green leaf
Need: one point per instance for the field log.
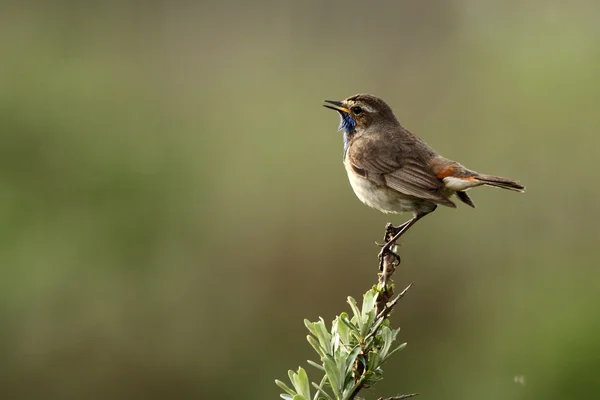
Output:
(400, 347)
(349, 388)
(343, 328)
(374, 360)
(314, 364)
(323, 335)
(368, 320)
(340, 361)
(315, 344)
(356, 336)
(285, 387)
(322, 391)
(355, 310)
(299, 397)
(333, 375)
(388, 337)
(346, 321)
(373, 330)
(301, 383)
(286, 396)
(310, 327)
(351, 359)
(372, 377)
(291, 376)
(368, 305)
(336, 340)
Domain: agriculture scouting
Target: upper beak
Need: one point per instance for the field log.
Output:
(336, 105)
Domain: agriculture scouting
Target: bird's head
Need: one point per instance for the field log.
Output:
(361, 112)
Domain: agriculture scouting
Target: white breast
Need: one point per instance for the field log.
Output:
(379, 197)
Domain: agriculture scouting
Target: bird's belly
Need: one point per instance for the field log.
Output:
(380, 197)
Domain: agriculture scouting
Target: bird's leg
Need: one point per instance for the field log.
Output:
(389, 228)
(390, 232)
(399, 231)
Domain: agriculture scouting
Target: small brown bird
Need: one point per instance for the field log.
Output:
(392, 170)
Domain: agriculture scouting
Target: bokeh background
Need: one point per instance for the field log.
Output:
(173, 201)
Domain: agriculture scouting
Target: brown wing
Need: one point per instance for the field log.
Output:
(405, 172)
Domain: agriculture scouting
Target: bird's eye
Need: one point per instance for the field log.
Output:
(356, 110)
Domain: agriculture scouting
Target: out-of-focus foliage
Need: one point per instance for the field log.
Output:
(172, 196)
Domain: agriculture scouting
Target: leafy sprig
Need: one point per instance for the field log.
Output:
(351, 353)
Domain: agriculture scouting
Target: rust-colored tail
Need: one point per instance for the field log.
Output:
(500, 182)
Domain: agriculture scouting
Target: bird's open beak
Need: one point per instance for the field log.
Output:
(336, 105)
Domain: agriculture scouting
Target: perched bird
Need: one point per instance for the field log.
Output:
(392, 170)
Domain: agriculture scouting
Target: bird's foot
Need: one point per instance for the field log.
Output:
(391, 230)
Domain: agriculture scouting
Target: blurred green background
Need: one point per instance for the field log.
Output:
(173, 201)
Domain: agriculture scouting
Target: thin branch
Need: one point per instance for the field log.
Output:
(384, 313)
(404, 396)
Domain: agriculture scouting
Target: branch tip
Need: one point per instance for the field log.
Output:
(404, 396)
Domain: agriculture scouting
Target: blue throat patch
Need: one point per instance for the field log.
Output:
(347, 124)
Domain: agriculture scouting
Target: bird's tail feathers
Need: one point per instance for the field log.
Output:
(497, 181)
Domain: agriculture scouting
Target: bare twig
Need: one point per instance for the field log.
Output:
(404, 396)
(384, 313)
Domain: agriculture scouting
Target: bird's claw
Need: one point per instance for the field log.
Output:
(391, 229)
